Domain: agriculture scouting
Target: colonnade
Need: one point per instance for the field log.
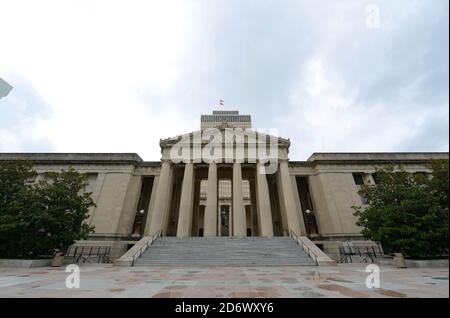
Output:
(239, 226)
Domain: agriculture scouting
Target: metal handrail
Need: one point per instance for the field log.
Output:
(346, 253)
(305, 248)
(144, 248)
(86, 253)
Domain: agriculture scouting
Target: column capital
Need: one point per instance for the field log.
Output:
(166, 160)
(211, 161)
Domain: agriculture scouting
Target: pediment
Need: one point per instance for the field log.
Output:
(197, 135)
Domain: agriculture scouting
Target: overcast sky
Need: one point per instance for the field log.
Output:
(116, 76)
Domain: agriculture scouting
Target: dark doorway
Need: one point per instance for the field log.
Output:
(200, 220)
(143, 205)
(225, 220)
(275, 205)
(307, 205)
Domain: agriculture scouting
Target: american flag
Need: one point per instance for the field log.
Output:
(221, 102)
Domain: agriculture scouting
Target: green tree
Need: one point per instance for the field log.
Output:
(15, 183)
(38, 217)
(406, 212)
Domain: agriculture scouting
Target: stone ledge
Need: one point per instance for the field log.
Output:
(73, 157)
(322, 258)
(411, 263)
(25, 263)
(127, 258)
(376, 156)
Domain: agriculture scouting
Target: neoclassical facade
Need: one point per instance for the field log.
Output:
(225, 180)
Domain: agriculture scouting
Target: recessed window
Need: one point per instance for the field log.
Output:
(376, 178)
(358, 177)
(359, 181)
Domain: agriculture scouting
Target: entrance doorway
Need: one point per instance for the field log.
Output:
(307, 205)
(225, 220)
(142, 208)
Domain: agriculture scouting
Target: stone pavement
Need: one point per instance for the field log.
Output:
(346, 280)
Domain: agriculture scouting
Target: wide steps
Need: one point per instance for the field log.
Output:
(225, 251)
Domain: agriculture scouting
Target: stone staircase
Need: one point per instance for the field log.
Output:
(225, 251)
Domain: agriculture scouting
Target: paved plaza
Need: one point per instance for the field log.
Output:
(229, 282)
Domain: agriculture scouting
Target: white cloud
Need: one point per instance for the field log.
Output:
(21, 132)
(119, 75)
(86, 60)
(326, 116)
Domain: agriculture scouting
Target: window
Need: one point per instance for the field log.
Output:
(376, 178)
(359, 181)
(246, 189)
(358, 177)
(363, 199)
(224, 189)
(203, 188)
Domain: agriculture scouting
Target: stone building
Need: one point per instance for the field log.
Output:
(225, 194)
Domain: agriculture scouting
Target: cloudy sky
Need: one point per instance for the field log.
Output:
(116, 76)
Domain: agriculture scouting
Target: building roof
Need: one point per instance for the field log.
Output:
(315, 158)
(230, 117)
(370, 157)
(377, 156)
(73, 157)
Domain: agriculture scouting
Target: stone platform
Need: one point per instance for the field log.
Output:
(260, 282)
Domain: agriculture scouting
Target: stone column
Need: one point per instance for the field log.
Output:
(239, 217)
(288, 198)
(265, 213)
(186, 202)
(210, 227)
(161, 199)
